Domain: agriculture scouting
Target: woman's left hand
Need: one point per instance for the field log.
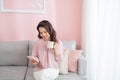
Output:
(55, 46)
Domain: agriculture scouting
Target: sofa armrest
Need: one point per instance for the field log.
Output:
(82, 66)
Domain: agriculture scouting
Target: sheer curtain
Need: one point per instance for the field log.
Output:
(101, 38)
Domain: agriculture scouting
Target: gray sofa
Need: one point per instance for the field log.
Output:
(14, 64)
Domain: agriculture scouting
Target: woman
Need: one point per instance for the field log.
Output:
(46, 60)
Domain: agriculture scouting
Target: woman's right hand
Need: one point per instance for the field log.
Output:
(33, 60)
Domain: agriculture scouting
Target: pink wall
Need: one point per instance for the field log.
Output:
(69, 19)
(65, 16)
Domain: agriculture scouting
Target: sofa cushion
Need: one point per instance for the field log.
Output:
(82, 66)
(13, 53)
(64, 62)
(74, 55)
(70, 44)
(12, 72)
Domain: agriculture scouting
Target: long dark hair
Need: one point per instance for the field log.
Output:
(49, 28)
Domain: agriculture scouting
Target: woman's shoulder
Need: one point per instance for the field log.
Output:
(39, 41)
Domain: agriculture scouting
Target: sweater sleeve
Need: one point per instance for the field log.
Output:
(35, 49)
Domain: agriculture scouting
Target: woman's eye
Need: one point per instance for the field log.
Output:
(45, 32)
(40, 33)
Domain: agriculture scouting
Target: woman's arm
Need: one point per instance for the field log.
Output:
(33, 60)
(34, 57)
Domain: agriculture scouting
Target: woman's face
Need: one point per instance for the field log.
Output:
(44, 34)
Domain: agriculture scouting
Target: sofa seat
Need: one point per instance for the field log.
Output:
(12, 72)
(29, 74)
(69, 76)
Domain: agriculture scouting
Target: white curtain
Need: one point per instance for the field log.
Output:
(101, 38)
